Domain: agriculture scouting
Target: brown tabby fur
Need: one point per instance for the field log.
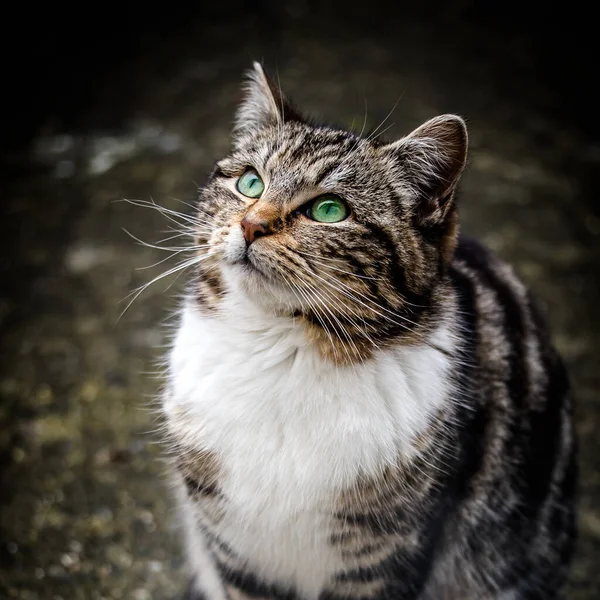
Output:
(484, 510)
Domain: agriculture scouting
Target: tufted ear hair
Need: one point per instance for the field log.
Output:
(432, 159)
(263, 104)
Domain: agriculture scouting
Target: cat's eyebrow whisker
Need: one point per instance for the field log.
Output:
(384, 130)
(358, 140)
(374, 132)
(355, 146)
(365, 119)
(351, 151)
(280, 125)
(372, 135)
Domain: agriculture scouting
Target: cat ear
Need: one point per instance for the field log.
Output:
(263, 103)
(433, 157)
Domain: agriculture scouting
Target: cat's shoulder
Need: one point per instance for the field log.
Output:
(482, 267)
(498, 304)
(493, 291)
(471, 251)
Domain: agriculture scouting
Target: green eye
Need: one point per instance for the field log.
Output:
(328, 209)
(250, 184)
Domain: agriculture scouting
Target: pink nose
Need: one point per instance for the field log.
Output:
(254, 229)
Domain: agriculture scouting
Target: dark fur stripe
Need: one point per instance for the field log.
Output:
(327, 170)
(193, 593)
(540, 449)
(404, 573)
(196, 488)
(417, 304)
(215, 541)
(476, 257)
(544, 434)
(250, 585)
(474, 417)
(483, 507)
(375, 522)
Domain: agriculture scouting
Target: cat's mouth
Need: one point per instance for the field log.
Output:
(254, 269)
(245, 259)
(251, 265)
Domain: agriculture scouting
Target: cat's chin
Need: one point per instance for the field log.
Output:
(260, 288)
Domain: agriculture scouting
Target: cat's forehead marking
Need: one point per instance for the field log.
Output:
(310, 158)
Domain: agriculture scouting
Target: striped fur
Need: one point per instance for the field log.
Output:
(366, 409)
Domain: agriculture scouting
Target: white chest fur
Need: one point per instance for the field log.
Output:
(291, 430)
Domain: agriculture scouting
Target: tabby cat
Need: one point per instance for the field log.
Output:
(361, 403)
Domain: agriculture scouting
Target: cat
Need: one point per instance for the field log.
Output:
(361, 403)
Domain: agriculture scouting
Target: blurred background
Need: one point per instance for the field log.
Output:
(136, 101)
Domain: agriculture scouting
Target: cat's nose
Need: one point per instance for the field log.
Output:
(254, 228)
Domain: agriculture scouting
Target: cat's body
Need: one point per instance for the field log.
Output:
(363, 445)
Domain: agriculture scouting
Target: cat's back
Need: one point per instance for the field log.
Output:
(513, 372)
(521, 459)
(508, 338)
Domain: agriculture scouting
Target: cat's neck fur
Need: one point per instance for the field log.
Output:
(291, 431)
(247, 368)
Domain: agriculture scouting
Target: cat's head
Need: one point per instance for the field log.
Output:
(349, 234)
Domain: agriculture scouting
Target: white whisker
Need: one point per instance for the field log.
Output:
(184, 265)
(166, 248)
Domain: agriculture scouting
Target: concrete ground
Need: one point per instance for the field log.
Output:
(85, 508)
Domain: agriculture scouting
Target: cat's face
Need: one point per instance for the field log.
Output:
(350, 234)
